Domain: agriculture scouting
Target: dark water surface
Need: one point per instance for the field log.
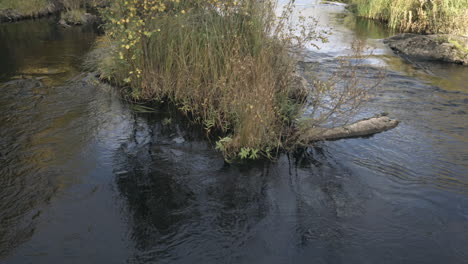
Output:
(86, 179)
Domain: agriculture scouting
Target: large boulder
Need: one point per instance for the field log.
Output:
(445, 48)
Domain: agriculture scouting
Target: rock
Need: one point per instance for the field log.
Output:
(179, 140)
(88, 18)
(177, 153)
(63, 23)
(440, 47)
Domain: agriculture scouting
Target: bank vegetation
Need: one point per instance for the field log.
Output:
(72, 10)
(418, 16)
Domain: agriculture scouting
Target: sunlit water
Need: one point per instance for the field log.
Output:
(85, 179)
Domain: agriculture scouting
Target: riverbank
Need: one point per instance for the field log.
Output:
(417, 16)
(71, 12)
(433, 30)
(12, 13)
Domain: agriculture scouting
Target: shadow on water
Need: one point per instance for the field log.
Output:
(186, 204)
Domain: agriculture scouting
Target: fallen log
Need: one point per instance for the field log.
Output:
(361, 128)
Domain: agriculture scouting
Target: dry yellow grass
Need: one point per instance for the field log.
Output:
(426, 16)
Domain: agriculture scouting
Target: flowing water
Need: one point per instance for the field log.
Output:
(84, 178)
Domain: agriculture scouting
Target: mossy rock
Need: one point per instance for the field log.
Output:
(446, 48)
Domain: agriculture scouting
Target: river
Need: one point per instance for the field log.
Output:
(85, 178)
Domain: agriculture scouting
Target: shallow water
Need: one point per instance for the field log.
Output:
(85, 179)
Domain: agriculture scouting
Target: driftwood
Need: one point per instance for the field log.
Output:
(365, 127)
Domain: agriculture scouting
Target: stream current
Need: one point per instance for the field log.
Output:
(84, 178)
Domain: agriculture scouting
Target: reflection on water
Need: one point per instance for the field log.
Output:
(345, 29)
(84, 179)
(363, 29)
(187, 205)
(32, 138)
(42, 48)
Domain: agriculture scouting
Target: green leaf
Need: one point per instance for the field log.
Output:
(244, 153)
(254, 154)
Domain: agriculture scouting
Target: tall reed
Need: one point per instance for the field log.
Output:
(425, 16)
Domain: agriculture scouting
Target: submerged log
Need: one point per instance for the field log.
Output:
(362, 128)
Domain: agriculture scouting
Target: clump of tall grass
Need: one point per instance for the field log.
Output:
(229, 65)
(73, 16)
(425, 16)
